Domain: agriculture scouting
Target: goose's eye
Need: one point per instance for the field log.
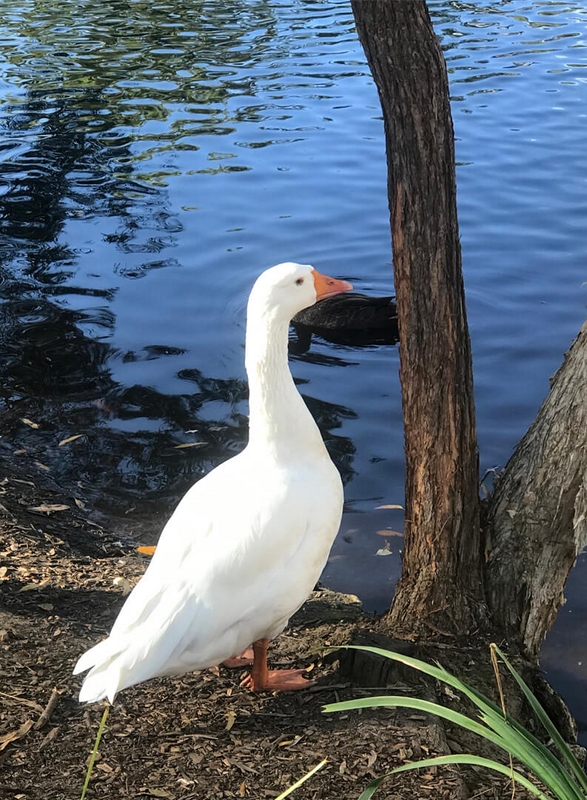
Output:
(299, 281)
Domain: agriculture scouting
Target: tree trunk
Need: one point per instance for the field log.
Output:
(440, 589)
(537, 516)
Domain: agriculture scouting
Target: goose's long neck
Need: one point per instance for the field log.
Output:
(279, 421)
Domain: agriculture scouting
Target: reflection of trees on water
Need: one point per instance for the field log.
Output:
(141, 465)
(75, 144)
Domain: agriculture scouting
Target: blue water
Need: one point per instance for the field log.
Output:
(157, 157)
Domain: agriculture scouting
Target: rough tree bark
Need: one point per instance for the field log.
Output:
(441, 588)
(537, 516)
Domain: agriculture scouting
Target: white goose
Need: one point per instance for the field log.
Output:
(247, 543)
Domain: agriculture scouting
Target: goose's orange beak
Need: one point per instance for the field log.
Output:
(328, 287)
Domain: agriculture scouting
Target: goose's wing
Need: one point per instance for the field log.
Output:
(163, 604)
(221, 576)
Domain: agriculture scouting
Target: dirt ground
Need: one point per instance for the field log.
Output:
(199, 737)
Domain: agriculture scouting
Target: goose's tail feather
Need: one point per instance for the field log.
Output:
(105, 676)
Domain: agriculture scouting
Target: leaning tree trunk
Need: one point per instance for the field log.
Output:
(440, 589)
(537, 516)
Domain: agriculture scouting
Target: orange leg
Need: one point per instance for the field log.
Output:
(244, 659)
(262, 679)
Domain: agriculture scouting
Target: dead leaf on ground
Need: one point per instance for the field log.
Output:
(383, 551)
(14, 699)
(70, 439)
(28, 587)
(43, 466)
(146, 550)
(230, 720)
(188, 444)
(30, 423)
(49, 508)
(388, 532)
(389, 505)
(49, 737)
(122, 584)
(14, 735)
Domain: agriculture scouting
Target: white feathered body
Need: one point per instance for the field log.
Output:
(223, 575)
(247, 543)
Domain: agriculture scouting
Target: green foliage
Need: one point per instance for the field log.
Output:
(566, 781)
(95, 751)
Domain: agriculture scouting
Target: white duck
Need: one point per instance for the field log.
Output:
(247, 543)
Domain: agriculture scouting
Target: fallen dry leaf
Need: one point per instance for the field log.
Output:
(230, 720)
(43, 466)
(49, 737)
(14, 735)
(29, 422)
(123, 584)
(388, 532)
(70, 439)
(49, 508)
(12, 698)
(146, 550)
(389, 505)
(188, 444)
(30, 586)
(383, 551)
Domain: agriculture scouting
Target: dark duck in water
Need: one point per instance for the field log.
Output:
(352, 319)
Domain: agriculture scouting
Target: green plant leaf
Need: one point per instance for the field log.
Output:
(368, 793)
(547, 769)
(475, 761)
(541, 714)
(505, 732)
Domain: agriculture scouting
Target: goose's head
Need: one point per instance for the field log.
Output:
(287, 288)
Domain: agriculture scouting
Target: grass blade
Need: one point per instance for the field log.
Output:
(502, 730)
(303, 779)
(475, 761)
(544, 766)
(368, 793)
(537, 708)
(95, 751)
(416, 704)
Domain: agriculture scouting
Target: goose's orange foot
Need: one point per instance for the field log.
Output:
(278, 680)
(245, 659)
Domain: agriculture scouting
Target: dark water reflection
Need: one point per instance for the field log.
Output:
(79, 143)
(154, 158)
